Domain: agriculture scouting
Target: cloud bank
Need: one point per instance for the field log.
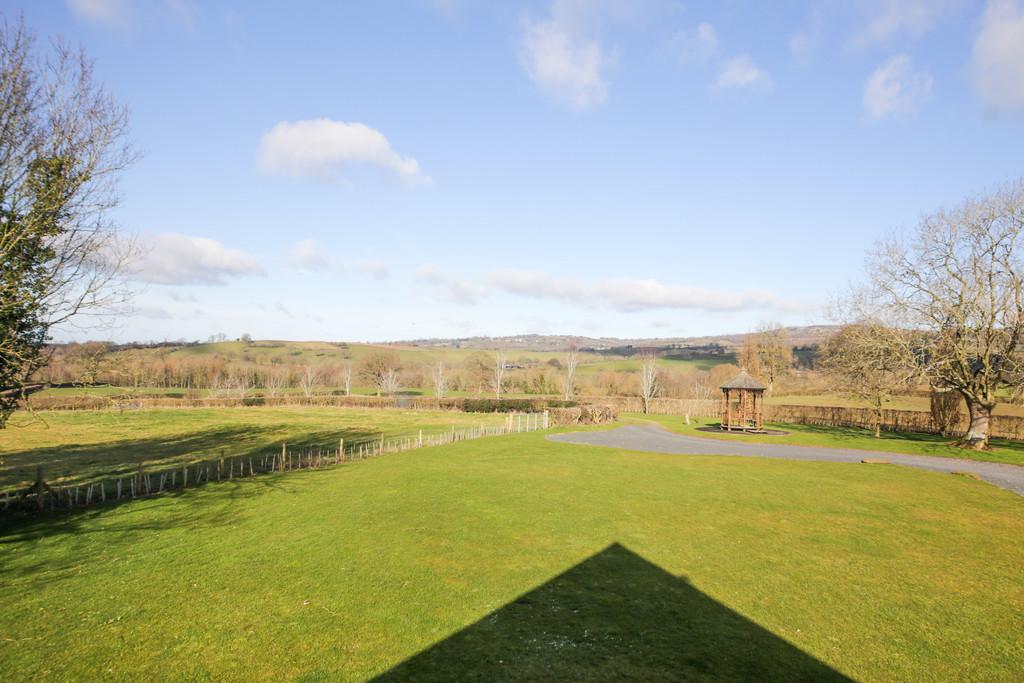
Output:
(997, 60)
(626, 295)
(323, 148)
(174, 259)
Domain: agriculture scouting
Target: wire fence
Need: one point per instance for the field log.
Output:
(143, 482)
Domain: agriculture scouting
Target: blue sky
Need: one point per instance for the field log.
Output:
(392, 170)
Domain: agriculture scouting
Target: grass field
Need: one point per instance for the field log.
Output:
(522, 559)
(78, 446)
(842, 437)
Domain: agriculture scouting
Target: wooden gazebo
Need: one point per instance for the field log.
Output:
(743, 399)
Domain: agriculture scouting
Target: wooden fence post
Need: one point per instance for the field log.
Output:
(40, 488)
(341, 450)
(284, 454)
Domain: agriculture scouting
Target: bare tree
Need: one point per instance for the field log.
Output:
(274, 382)
(390, 382)
(750, 355)
(498, 376)
(222, 385)
(308, 380)
(648, 380)
(439, 377)
(243, 384)
(62, 147)
(346, 379)
(701, 389)
(571, 361)
(862, 366)
(380, 368)
(951, 296)
(774, 354)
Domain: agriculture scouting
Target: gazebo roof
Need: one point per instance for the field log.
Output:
(743, 381)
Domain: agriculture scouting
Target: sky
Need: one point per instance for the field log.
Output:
(370, 171)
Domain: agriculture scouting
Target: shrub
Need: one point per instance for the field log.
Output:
(493, 405)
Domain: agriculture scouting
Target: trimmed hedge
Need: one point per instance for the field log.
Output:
(512, 405)
(507, 405)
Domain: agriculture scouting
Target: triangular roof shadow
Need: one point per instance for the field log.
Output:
(614, 616)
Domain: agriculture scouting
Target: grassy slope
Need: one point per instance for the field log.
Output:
(881, 574)
(839, 437)
(79, 445)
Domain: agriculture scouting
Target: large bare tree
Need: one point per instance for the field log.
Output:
(308, 379)
(572, 359)
(439, 378)
(380, 368)
(62, 146)
(498, 377)
(949, 294)
(862, 365)
(648, 380)
(774, 353)
(346, 379)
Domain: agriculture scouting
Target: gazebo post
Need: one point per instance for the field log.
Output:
(728, 411)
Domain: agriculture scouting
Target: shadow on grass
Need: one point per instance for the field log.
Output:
(614, 616)
(209, 506)
(78, 464)
(857, 433)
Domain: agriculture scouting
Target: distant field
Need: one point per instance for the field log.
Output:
(516, 558)
(77, 446)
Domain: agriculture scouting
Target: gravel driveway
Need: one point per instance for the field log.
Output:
(654, 439)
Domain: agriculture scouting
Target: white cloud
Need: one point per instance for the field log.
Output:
(740, 72)
(308, 255)
(446, 286)
(173, 259)
(896, 89)
(376, 269)
(697, 46)
(150, 312)
(806, 41)
(322, 148)
(890, 18)
(626, 294)
(564, 59)
(997, 61)
(107, 12)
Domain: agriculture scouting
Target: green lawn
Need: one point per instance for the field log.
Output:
(521, 559)
(847, 437)
(79, 446)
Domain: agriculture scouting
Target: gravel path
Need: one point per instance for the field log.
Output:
(657, 440)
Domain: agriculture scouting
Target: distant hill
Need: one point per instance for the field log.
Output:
(809, 335)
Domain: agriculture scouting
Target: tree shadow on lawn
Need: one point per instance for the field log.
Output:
(611, 617)
(857, 433)
(77, 464)
(157, 513)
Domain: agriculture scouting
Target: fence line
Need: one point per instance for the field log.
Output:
(40, 496)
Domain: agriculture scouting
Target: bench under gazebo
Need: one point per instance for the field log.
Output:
(743, 409)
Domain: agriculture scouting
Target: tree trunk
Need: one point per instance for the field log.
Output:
(977, 433)
(645, 402)
(878, 421)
